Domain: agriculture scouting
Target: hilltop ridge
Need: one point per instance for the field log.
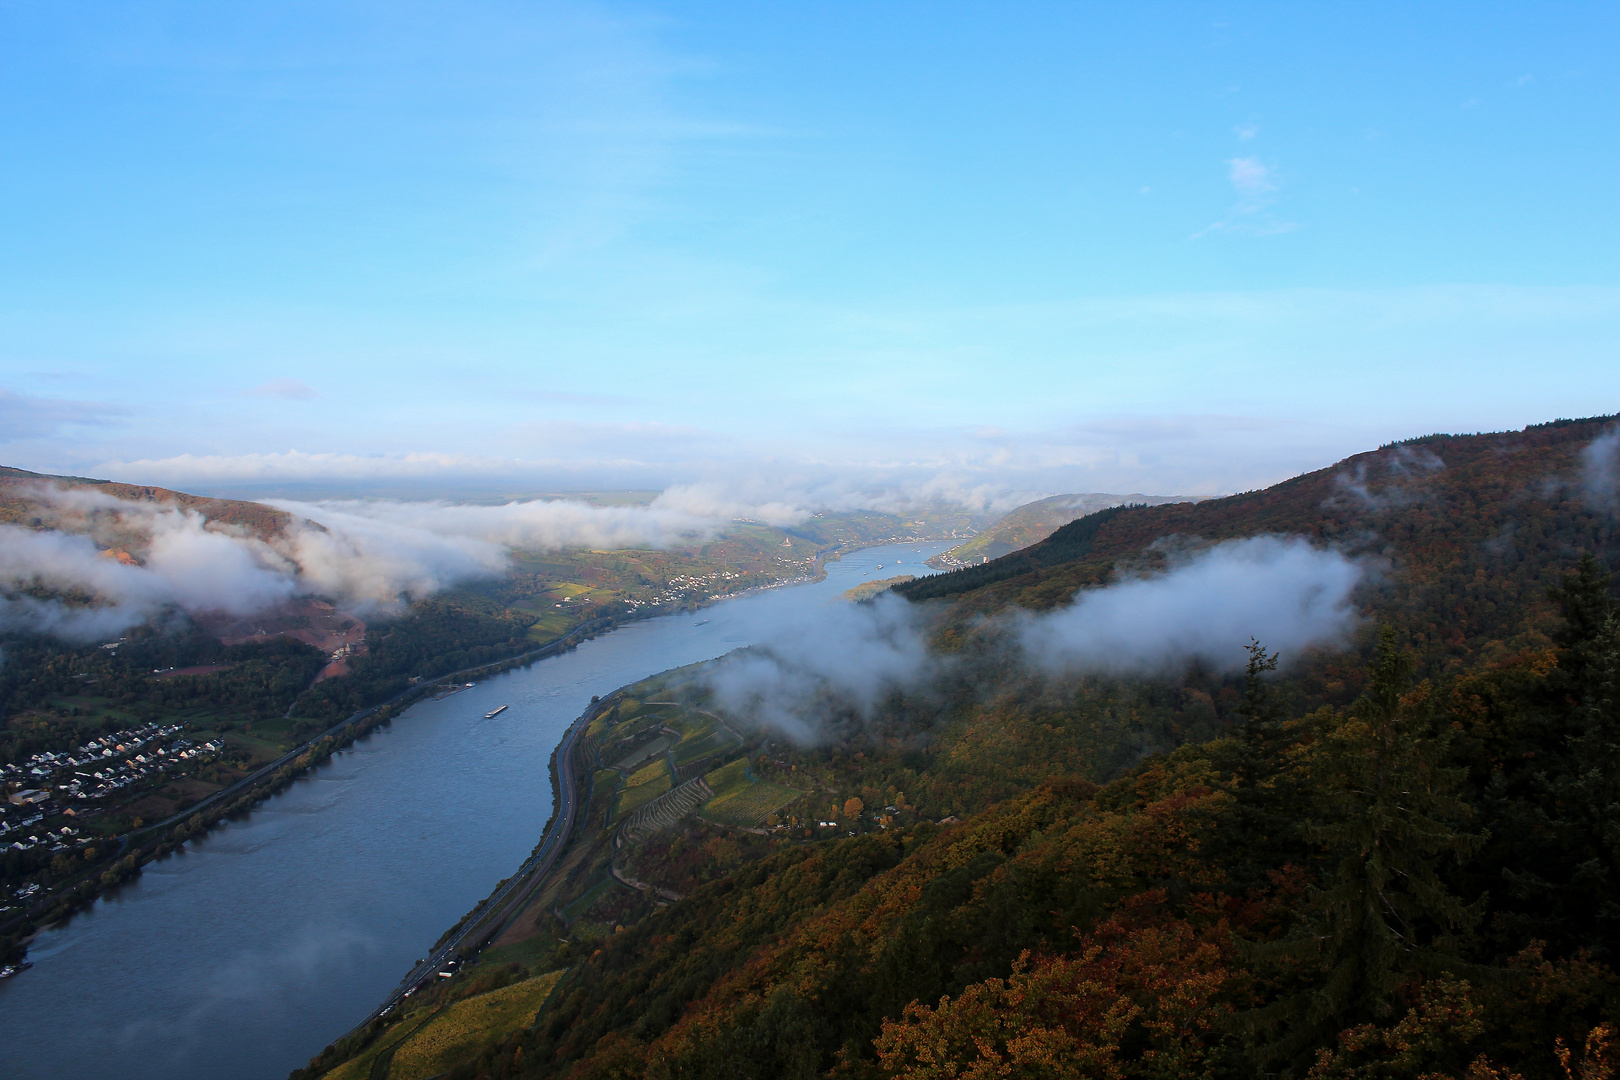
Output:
(23, 503)
(1448, 516)
(1035, 521)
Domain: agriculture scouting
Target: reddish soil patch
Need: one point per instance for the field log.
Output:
(314, 622)
(525, 926)
(332, 671)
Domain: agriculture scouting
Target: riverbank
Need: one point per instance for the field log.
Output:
(153, 841)
(462, 943)
(573, 767)
(256, 944)
(150, 842)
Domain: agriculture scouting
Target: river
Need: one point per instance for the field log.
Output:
(245, 952)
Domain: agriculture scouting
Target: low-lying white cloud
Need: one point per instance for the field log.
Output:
(725, 502)
(1600, 470)
(1249, 176)
(856, 651)
(1282, 590)
(187, 567)
(366, 555)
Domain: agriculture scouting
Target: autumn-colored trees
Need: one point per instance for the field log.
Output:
(1326, 868)
(1135, 998)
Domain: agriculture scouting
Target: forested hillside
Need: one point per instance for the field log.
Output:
(1470, 529)
(1394, 860)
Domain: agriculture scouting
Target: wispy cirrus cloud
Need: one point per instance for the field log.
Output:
(1250, 177)
(1256, 185)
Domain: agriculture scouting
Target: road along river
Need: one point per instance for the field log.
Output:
(252, 947)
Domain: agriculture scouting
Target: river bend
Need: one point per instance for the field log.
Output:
(253, 946)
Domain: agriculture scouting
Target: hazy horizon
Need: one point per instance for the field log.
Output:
(971, 253)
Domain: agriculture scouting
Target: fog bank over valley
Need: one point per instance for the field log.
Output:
(1204, 608)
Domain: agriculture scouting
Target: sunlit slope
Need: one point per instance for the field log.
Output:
(1034, 522)
(24, 500)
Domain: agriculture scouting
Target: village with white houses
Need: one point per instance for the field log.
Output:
(69, 785)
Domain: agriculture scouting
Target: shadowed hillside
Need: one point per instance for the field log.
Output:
(1468, 530)
(1193, 874)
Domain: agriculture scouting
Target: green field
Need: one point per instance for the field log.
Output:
(702, 746)
(551, 624)
(360, 1068)
(739, 799)
(583, 902)
(528, 952)
(256, 748)
(656, 748)
(729, 778)
(644, 785)
(749, 806)
(444, 1041)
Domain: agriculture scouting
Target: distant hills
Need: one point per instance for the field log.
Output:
(1034, 522)
(23, 502)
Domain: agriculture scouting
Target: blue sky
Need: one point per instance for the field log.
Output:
(1033, 248)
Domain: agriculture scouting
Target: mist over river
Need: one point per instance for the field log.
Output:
(251, 948)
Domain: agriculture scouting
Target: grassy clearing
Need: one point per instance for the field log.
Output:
(600, 810)
(750, 805)
(632, 798)
(590, 896)
(551, 624)
(457, 1032)
(654, 749)
(649, 773)
(258, 749)
(644, 785)
(712, 743)
(359, 1068)
(527, 953)
(729, 778)
(279, 730)
(739, 799)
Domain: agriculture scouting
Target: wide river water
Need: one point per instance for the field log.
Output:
(243, 954)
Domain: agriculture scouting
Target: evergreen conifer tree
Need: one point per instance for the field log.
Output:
(1586, 602)
(1584, 795)
(1271, 799)
(1385, 818)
